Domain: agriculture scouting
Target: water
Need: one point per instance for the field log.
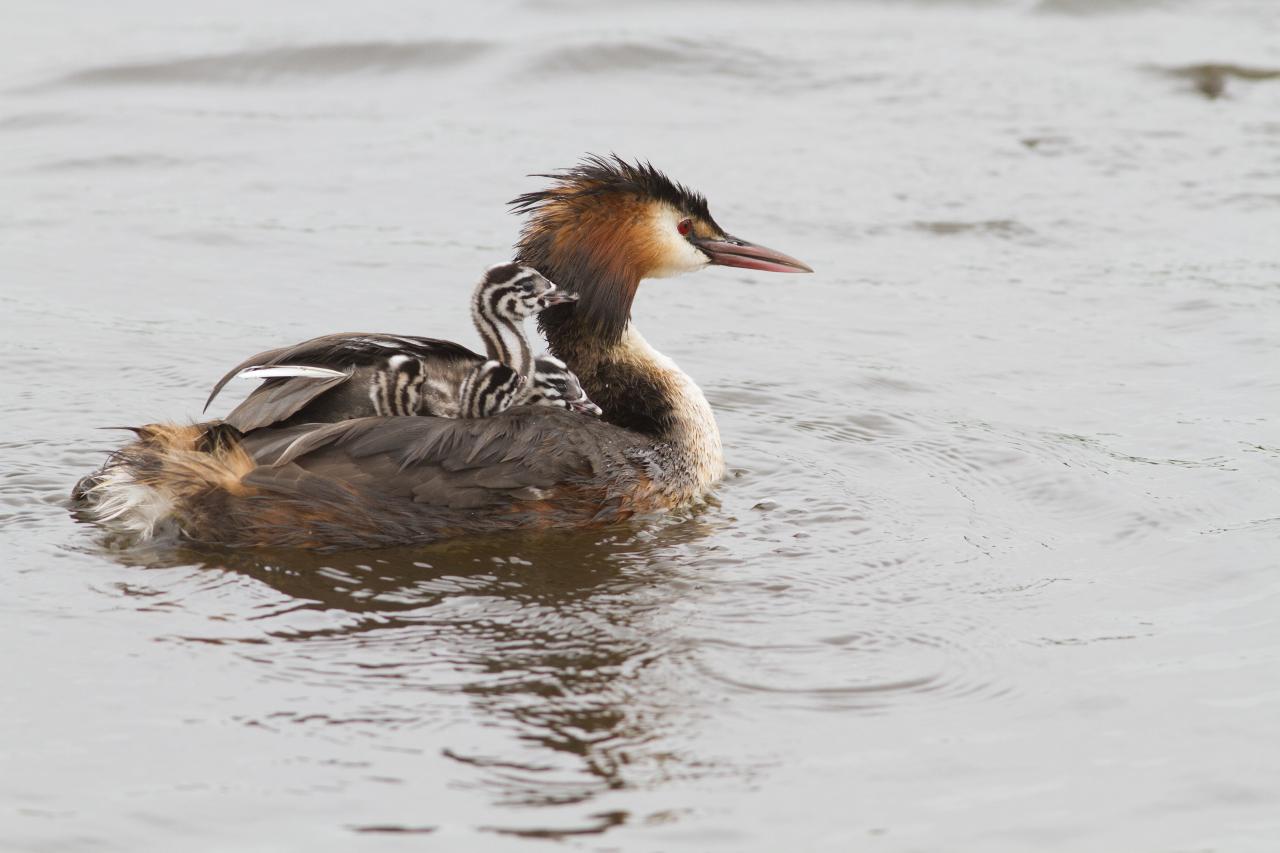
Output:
(994, 568)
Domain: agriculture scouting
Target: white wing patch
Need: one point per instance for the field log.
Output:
(278, 371)
(388, 342)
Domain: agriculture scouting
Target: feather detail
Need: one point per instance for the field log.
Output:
(349, 349)
(280, 371)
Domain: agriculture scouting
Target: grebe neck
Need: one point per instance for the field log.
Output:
(643, 390)
(636, 386)
(504, 338)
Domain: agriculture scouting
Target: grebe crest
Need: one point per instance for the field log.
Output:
(606, 224)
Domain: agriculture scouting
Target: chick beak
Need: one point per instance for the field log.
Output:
(558, 297)
(583, 406)
(732, 252)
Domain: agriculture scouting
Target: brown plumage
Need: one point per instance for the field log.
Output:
(593, 227)
(372, 482)
(597, 232)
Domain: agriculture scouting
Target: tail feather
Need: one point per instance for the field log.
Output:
(144, 486)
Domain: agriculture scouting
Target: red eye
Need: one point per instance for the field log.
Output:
(685, 226)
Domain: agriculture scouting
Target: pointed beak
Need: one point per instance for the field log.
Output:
(584, 406)
(732, 252)
(559, 297)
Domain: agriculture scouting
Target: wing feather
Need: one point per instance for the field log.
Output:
(346, 350)
(512, 457)
(277, 399)
(287, 371)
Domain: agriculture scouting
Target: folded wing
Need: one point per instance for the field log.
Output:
(301, 374)
(369, 481)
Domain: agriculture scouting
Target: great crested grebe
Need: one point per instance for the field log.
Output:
(344, 376)
(597, 231)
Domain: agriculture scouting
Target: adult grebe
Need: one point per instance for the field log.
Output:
(600, 229)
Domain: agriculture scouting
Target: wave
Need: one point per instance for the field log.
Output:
(676, 56)
(256, 66)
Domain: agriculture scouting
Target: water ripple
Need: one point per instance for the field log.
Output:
(259, 66)
(868, 670)
(674, 56)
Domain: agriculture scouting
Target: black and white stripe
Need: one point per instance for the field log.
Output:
(491, 388)
(397, 389)
(554, 384)
(399, 375)
(498, 312)
(506, 296)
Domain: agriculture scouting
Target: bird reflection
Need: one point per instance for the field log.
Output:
(554, 638)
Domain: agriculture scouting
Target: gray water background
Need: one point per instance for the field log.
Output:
(996, 565)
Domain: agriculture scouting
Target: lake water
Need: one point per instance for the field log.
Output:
(996, 567)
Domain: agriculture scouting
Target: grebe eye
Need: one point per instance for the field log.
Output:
(685, 226)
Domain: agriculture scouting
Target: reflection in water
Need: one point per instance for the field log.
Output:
(555, 639)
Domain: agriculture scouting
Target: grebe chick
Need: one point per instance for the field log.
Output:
(554, 384)
(505, 297)
(508, 295)
(511, 376)
(489, 389)
(344, 376)
(494, 387)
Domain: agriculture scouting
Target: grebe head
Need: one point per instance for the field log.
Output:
(606, 224)
(514, 292)
(554, 384)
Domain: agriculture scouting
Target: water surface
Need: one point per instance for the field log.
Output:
(995, 568)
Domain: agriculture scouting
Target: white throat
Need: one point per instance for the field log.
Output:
(695, 436)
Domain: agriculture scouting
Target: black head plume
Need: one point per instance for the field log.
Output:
(601, 175)
(592, 232)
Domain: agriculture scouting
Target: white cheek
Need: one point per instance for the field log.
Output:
(678, 254)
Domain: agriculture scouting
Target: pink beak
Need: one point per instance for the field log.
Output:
(732, 252)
